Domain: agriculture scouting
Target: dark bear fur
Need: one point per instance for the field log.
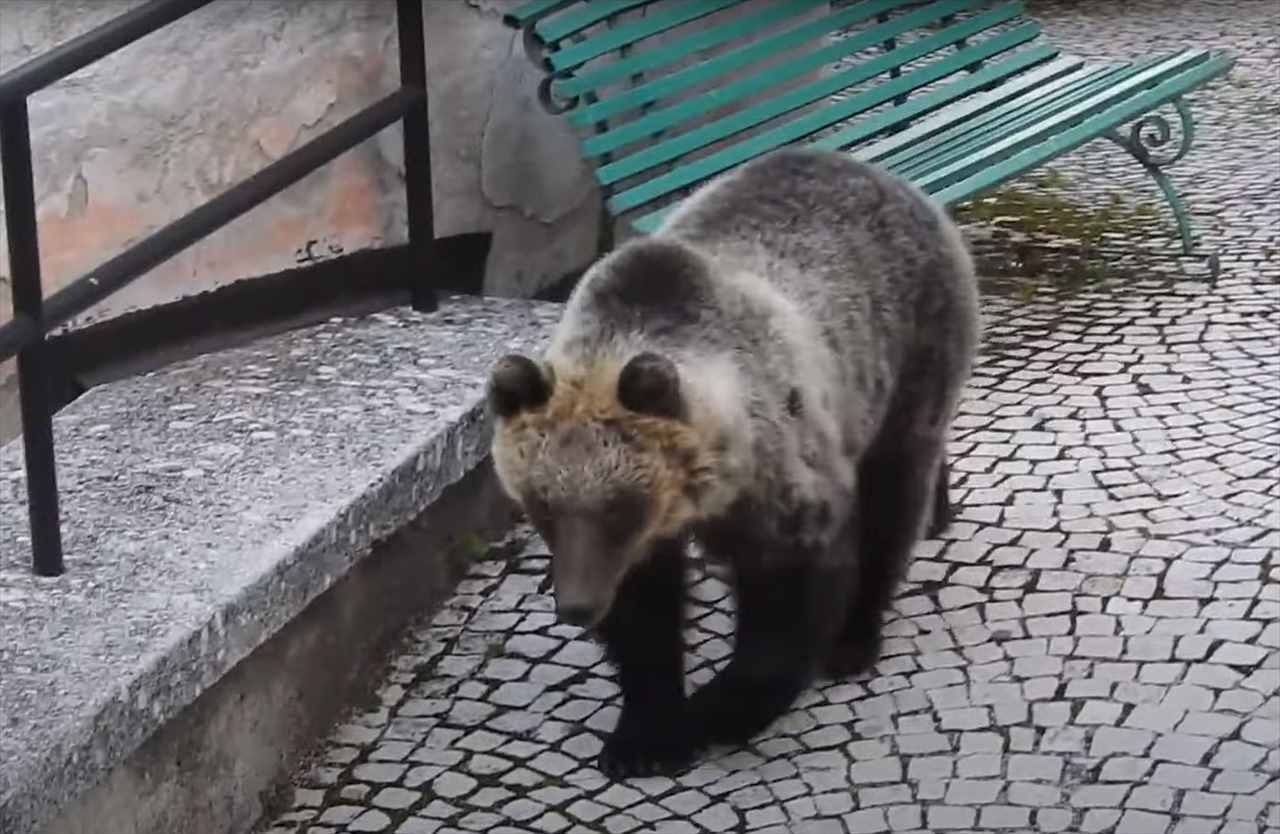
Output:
(773, 374)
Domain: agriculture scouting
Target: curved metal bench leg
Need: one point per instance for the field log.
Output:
(1146, 136)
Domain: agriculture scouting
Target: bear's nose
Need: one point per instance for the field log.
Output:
(576, 614)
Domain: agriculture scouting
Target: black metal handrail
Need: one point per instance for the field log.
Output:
(34, 315)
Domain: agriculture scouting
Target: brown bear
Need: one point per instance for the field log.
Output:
(773, 374)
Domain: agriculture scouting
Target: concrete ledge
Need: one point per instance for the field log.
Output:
(223, 763)
(206, 506)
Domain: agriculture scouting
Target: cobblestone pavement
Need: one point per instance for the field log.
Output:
(1094, 646)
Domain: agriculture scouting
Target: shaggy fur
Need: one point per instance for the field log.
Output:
(774, 373)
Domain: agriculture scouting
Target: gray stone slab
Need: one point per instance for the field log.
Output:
(204, 505)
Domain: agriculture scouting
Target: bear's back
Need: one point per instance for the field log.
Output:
(808, 268)
(841, 239)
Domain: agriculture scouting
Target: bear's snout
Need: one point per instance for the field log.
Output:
(585, 571)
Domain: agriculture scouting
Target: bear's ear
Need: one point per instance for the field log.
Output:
(650, 384)
(517, 383)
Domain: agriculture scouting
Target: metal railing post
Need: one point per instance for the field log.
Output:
(33, 371)
(417, 153)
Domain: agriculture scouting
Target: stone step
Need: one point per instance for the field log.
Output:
(206, 505)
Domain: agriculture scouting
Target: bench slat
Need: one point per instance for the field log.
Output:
(867, 128)
(519, 17)
(772, 76)
(552, 30)
(658, 56)
(677, 82)
(1005, 117)
(904, 145)
(1086, 130)
(811, 123)
(1018, 114)
(574, 56)
(1164, 70)
(815, 91)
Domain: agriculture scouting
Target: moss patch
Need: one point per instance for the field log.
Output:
(1040, 238)
(1036, 210)
(472, 546)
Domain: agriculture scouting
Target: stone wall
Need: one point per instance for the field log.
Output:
(139, 138)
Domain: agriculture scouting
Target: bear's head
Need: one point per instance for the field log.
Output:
(606, 461)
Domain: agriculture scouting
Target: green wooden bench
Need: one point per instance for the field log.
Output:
(958, 96)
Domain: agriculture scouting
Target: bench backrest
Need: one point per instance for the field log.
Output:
(667, 93)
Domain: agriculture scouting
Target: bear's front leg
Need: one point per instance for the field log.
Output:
(942, 515)
(785, 620)
(643, 636)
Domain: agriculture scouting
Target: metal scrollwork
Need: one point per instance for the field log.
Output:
(1150, 134)
(1147, 141)
(536, 49)
(533, 47)
(548, 100)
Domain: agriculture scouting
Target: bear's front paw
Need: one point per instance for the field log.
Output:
(640, 747)
(731, 708)
(854, 656)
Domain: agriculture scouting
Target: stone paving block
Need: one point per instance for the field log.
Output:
(1143, 822)
(870, 820)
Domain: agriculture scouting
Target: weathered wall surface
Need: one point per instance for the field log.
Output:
(139, 138)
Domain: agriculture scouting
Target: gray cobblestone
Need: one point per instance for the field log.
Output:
(418, 825)
(946, 818)
(353, 793)
(1180, 776)
(379, 773)
(870, 820)
(371, 820)
(1109, 741)
(1150, 798)
(1053, 819)
(1100, 796)
(1143, 822)
(1176, 747)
